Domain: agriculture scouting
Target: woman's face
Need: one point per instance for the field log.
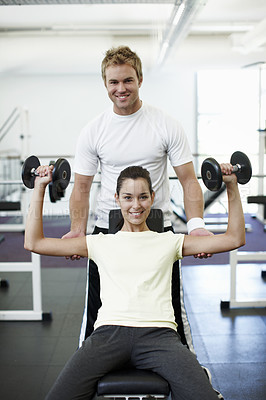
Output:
(135, 201)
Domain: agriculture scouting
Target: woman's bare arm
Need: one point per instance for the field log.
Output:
(234, 237)
(34, 236)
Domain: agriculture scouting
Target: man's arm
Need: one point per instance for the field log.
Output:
(193, 201)
(193, 197)
(79, 208)
(79, 205)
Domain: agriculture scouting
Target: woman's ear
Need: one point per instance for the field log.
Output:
(117, 199)
(152, 197)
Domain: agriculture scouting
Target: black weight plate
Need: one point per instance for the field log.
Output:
(244, 175)
(211, 174)
(61, 193)
(27, 177)
(61, 174)
(53, 194)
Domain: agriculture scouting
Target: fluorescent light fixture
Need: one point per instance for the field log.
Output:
(164, 48)
(179, 24)
(179, 14)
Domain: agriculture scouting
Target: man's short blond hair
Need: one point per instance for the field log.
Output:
(121, 55)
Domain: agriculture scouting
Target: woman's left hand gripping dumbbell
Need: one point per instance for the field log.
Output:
(44, 175)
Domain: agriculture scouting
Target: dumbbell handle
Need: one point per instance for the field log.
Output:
(33, 172)
(236, 168)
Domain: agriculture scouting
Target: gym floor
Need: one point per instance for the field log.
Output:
(232, 344)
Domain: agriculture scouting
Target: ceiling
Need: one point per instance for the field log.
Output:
(71, 36)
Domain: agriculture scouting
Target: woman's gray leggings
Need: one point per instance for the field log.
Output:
(110, 347)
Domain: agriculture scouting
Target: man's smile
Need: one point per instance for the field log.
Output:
(123, 97)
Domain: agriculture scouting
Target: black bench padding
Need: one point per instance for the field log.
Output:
(257, 199)
(10, 206)
(132, 381)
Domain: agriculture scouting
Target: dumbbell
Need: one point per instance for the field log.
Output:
(212, 175)
(60, 176)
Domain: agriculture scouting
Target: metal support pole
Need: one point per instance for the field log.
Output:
(233, 265)
(36, 283)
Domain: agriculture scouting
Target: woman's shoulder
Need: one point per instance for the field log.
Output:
(119, 234)
(172, 235)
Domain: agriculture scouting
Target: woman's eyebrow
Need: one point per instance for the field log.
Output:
(139, 193)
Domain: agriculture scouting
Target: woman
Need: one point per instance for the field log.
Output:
(136, 321)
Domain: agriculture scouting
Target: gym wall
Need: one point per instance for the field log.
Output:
(60, 105)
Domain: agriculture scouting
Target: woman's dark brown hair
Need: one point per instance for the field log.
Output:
(133, 172)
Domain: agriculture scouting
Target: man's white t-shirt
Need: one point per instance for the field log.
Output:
(136, 277)
(114, 142)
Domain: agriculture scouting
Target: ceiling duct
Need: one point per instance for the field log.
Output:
(183, 14)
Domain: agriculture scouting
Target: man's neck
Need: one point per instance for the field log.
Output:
(128, 110)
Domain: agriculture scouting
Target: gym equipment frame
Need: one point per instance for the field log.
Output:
(36, 314)
(236, 256)
(15, 209)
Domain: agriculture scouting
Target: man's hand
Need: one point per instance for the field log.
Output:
(201, 232)
(71, 235)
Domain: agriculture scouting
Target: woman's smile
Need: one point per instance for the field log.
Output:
(136, 213)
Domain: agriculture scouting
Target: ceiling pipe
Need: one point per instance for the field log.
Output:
(182, 16)
(56, 2)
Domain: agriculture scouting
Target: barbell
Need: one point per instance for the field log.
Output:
(60, 176)
(212, 175)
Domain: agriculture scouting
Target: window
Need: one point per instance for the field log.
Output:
(231, 109)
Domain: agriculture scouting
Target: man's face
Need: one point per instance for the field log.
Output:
(123, 86)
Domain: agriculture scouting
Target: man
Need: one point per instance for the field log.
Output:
(131, 133)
